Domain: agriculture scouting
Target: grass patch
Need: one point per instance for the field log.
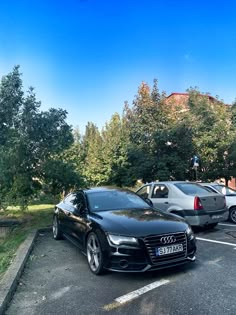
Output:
(37, 216)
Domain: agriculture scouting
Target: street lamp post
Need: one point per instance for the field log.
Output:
(195, 162)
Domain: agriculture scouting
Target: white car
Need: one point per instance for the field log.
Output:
(195, 203)
(230, 197)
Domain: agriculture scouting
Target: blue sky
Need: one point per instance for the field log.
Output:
(89, 56)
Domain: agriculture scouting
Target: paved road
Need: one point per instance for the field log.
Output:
(57, 281)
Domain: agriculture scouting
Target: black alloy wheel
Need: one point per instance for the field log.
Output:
(94, 254)
(232, 214)
(57, 235)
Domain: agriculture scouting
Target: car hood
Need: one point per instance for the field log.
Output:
(138, 222)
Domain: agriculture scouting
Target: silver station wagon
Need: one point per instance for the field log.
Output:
(195, 203)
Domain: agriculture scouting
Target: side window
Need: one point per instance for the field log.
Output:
(69, 200)
(79, 202)
(210, 189)
(144, 191)
(160, 191)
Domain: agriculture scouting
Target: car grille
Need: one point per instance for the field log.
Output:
(152, 242)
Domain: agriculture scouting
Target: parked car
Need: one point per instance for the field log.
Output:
(189, 200)
(117, 230)
(230, 197)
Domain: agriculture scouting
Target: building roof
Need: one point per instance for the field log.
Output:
(187, 94)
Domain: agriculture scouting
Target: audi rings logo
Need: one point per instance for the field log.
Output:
(168, 239)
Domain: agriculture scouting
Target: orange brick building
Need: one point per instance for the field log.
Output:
(181, 99)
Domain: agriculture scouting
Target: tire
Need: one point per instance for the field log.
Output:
(57, 234)
(95, 257)
(232, 214)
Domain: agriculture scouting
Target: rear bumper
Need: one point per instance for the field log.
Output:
(197, 218)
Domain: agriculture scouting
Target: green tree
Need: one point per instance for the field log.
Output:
(29, 138)
(142, 120)
(75, 154)
(59, 177)
(94, 170)
(11, 99)
(213, 135)
(115, 140)
(173, 151)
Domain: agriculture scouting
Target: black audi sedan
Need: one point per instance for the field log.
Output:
(119, 231)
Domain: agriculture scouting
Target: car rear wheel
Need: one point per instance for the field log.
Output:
(57, 234)
(232, 214)
(94, 254)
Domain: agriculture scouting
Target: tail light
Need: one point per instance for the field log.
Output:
(197, 204)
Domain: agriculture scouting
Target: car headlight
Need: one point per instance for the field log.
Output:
(190, 233)
(118, 239)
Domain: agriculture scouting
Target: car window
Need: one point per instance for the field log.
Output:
(160, 191)
(210, 189)
(115, 200)
(191, 189)
(70, 199)
(225, 190)
(79, 202)
(144, 191)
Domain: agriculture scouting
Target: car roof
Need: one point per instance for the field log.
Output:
(172, 182)
(103, 189)
(212, 184)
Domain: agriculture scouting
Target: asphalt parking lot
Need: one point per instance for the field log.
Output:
(57, 280)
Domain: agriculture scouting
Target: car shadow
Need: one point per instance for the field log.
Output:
(154, 275)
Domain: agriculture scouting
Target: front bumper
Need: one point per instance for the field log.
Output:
(139, 259)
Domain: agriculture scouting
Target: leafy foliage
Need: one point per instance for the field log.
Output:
(29, 139)
(153, 139)
(213, 135)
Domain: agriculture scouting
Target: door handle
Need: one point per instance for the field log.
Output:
(166, 202)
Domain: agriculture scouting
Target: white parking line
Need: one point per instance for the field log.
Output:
(213, 241)
(134, 294)
(234, 225)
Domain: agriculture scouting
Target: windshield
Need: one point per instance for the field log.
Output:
(191, 189)
(115, 200)
(225, 190)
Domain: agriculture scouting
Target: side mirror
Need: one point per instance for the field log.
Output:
(80, 212)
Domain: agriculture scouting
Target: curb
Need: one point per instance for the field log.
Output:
(9, 282)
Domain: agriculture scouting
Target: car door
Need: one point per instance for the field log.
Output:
(79, 223)
(160, 196)
(66, 212)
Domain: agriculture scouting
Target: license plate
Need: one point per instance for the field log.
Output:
(165, 250)
(217, 217)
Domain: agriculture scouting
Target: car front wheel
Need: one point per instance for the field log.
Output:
(94, 254)
(232, 214)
